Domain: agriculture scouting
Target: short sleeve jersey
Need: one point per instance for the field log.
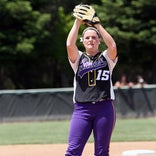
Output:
(93, 77)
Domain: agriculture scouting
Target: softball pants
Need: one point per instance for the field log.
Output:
(98, 118)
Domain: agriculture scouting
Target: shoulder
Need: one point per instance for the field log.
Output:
(111, 62)
(75, 64)
(105, 54)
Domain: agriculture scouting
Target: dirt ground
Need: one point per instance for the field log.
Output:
(116, 149)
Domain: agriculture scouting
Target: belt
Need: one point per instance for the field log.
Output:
(101, 100)
(94, 102)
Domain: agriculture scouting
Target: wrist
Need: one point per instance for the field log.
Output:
(78, 22)
(97, 25)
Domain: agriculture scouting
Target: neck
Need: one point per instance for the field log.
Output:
(91, 53)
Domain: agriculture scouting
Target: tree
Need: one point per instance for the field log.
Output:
(21, 28)
(33, 35)
(52, 51)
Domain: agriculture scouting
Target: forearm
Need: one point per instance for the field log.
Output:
(71, 41)
(72, 36)
(109, 41)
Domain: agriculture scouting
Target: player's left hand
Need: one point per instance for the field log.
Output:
(86, 13)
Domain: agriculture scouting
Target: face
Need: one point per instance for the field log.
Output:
(91, 41)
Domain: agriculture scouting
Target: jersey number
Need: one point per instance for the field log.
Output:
(103, 75)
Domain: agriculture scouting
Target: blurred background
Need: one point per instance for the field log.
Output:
(33, 40)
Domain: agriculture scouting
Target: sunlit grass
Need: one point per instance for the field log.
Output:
(57, 131)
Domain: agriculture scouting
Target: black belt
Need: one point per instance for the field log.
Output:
(101, 100)
(94, 102)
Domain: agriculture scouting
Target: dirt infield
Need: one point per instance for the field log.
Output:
(116, 149)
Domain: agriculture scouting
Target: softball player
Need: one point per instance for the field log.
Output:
(93, 90)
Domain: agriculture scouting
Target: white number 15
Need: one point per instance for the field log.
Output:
(103, 75)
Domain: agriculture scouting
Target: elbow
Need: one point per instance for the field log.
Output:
(114, 46)
(114, 49)
(112, 52)
(69, 45)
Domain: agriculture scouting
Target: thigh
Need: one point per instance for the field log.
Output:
(103, 126)
(80, 130)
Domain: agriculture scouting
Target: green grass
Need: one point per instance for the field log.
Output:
(34, 132)
(135, 130)
(57, 131)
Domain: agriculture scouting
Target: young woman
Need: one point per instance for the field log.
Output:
(93, 91)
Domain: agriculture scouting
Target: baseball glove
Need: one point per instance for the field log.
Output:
(86, 13)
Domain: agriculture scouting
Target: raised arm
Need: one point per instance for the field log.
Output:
(109, 41)
(72, 49)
